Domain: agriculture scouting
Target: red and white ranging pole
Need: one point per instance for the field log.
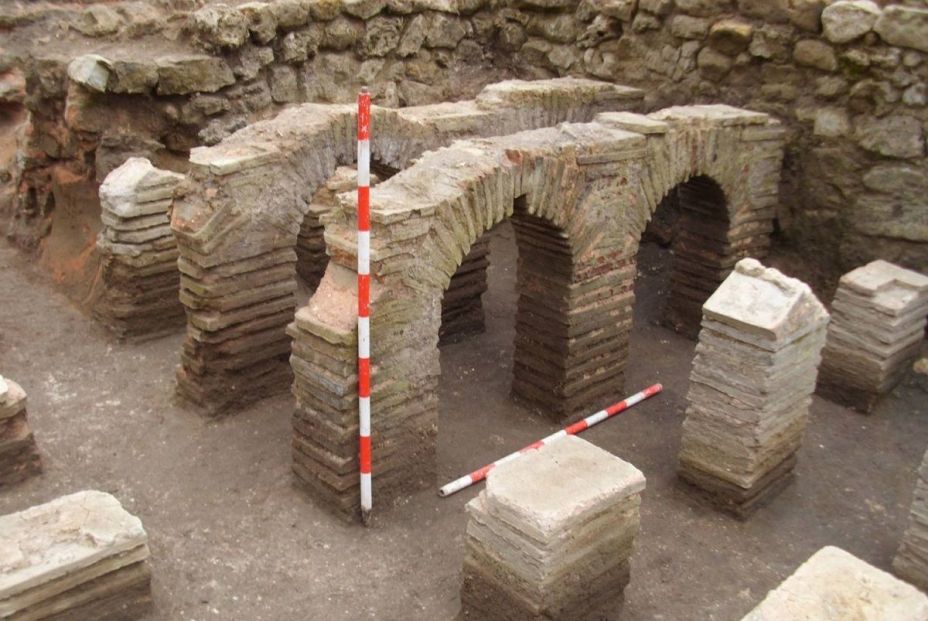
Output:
(479, 475)
(364, 296)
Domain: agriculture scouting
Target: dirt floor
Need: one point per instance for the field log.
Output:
(232, 538)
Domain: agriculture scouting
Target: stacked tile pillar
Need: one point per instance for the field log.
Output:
(878, 324)
(19, 457)
(911, 562)
(238, 277)
(551, 535)
(751, 386)
(136, 295)
(573, 320)
(81, 557)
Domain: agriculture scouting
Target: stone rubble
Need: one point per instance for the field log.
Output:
(834, 585)
(19, 457)
(751, 385)
(878, 323)
(911, 562)
(80, 557)
(551, 535)
(136, 293)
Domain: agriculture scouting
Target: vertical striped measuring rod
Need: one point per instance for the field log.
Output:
(594, 419)
(364, 295)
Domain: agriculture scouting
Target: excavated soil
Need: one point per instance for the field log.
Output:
(232, 538)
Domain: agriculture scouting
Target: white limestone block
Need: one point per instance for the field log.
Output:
(546, 491)
(763, 302)
(42, 547)
(834, 585)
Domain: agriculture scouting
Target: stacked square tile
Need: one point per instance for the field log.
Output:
(878, 325)
(310, 245)
(835, 585)
(137, 293)
(751, 386)
(19, 457)
(911, 562)
(462, 305)
(551, 535)
(81, 557)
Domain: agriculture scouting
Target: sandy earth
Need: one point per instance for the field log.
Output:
(232, 538)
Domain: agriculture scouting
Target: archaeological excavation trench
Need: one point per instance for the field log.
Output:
(570, 202)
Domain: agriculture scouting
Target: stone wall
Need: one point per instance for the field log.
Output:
(852, 92)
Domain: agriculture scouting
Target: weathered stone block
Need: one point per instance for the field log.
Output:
(904, 26)
(81, 556)
(90, 71)
(219, 26)
(552, 534)
(731, 37)
(833, 584)
(900, 136)
(183, 75)
(847, 20)
(814, 53)
(686, 27)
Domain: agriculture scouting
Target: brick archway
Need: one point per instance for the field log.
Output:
(237, 224)
(580, 197)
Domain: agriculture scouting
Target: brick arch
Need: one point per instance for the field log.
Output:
(580, 197)
(724, 163)
(424, 222)
(237, 224)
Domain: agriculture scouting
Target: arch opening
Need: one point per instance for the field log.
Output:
(703, 252)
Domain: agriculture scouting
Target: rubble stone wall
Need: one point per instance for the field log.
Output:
(850, 84)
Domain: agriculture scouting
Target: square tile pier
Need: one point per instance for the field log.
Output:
(911, 562)
(19, 457)
(877, 326)
(80, 557)
(551, 535)
(751, 386)
(836, 586)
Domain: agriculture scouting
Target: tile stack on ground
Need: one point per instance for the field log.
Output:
(877, 328)
(80, 557)
(911, 562)
(551, 535)
(310, 246)
(137, 291)
(836, 586)
(19, 457)
(462, 305)
(751, 386)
